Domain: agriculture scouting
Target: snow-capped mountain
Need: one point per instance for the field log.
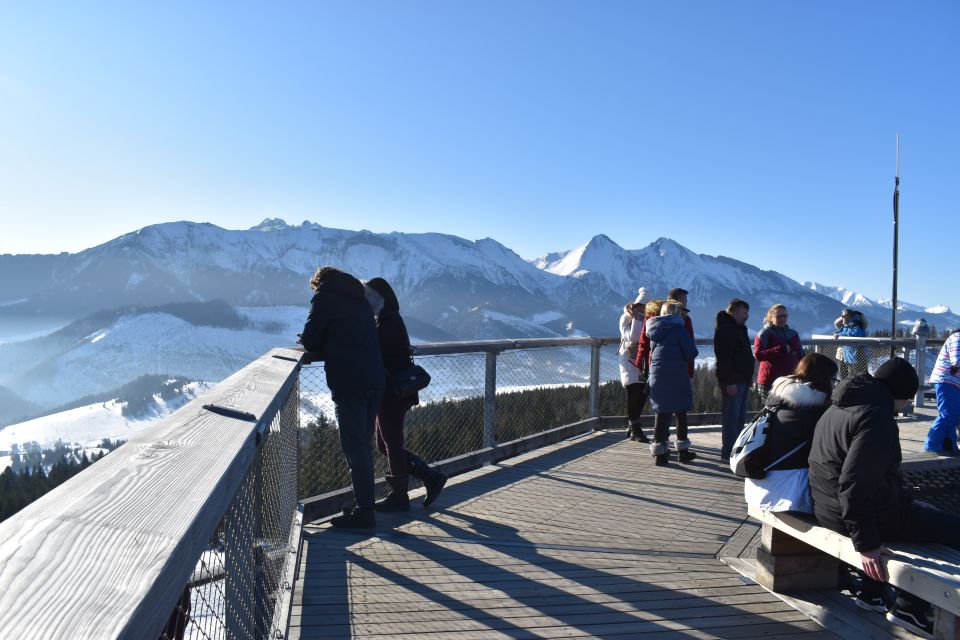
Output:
(198, 301)
(879, 308)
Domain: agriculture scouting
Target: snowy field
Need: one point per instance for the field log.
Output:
(87, 426)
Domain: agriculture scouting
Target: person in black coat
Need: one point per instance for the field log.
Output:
(731, 346)
(856, 484)
(340, 331)
(395, 350)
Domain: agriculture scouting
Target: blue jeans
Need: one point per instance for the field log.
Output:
(734, 415)
(948, 418)
(356, 412)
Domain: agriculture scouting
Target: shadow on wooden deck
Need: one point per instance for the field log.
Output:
(586, 538)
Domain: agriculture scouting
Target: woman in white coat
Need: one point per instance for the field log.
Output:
(632, 379)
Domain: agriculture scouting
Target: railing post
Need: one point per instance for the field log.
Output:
(490, 400)
(595, 380)
(921, 367)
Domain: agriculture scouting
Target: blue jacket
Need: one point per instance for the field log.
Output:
(852, 330)
(672, 348)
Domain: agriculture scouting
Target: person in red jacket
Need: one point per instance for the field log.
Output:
(777, 348)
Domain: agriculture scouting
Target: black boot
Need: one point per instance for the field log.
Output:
(433, 481)
(356, 519)
(686, 455)
(637, 433)
(396, 499)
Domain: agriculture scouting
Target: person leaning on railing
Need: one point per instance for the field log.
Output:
(395, 349)
(341, 332)
(851, 359)
(943, 434)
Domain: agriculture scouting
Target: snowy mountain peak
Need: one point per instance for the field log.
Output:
(271, 224)
(940, 308)
(599, 254)
(666, 247)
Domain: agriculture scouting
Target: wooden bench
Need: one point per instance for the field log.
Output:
(796, 554)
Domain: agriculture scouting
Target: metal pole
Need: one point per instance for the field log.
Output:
(595, 381)
(896, 231)
(490, 400)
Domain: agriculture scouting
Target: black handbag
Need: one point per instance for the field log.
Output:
(409, 381)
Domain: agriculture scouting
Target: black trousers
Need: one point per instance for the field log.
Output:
(637, 395)
(661, 426)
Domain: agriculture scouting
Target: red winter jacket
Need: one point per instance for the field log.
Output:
(778, 350)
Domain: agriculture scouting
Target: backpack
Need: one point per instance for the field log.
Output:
(749, 457)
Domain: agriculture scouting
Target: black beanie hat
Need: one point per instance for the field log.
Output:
(899, 377)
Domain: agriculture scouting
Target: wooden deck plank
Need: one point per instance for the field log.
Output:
(580, 539)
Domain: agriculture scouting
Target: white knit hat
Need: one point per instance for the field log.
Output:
(641, 296)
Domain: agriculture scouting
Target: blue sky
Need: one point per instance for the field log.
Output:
(764, 131)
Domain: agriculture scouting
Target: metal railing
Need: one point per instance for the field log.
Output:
(189, 530)
(487, 394)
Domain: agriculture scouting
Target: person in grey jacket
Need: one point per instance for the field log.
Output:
(672, 351)
(340, 330)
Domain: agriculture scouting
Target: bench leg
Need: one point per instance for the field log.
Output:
(946, 626)
(786, 564)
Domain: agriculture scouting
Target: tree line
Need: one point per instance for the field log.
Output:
(34, 471)
(449, 428)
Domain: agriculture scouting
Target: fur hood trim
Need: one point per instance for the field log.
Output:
(798, 394)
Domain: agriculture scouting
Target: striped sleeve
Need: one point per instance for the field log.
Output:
(948, 357)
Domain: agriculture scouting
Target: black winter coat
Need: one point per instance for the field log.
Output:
(340, 328)
(392, 332)
(855, 462)
(731, 345)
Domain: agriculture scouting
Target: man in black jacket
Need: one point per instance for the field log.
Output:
(340, 330)
(731, 346)
(856, 485)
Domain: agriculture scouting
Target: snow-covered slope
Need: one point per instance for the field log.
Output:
(87, 426)
(128, 346)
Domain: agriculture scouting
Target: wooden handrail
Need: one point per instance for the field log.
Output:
(107, 554)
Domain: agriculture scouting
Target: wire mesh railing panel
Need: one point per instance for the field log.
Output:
(854, 357)
(539, 389)
(447, 422)
(322, 465)
(240, 576)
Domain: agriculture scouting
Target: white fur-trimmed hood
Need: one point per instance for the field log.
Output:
(798, 394)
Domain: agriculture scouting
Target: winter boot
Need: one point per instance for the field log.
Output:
(660, 452)
(356, 519)
(396, 499)
(433, 481)
(637, 433)
(684, 454)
